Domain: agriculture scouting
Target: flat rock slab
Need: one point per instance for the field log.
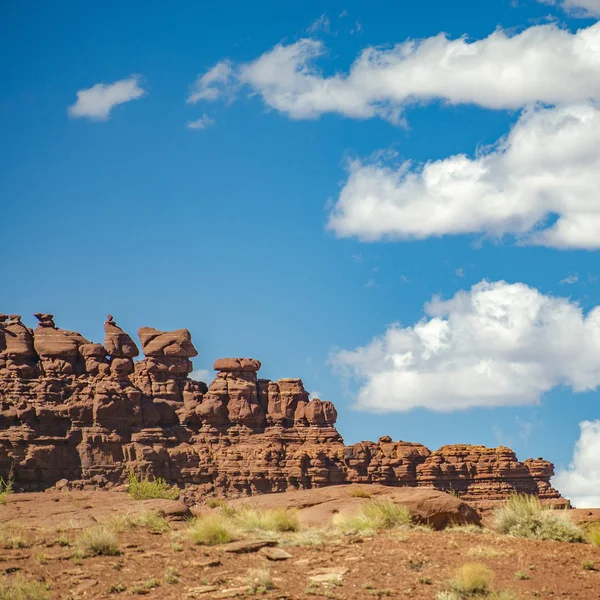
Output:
(244, 546)
(274, 553)
(78, 509)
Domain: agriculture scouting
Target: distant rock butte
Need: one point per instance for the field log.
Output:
(85, 412)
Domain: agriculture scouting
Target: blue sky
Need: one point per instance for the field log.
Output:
(228, 228)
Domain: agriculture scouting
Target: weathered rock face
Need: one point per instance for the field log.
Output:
(81, 411)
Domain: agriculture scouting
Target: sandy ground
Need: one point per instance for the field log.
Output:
(401, 564)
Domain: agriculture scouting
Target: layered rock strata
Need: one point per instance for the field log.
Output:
(85, 412)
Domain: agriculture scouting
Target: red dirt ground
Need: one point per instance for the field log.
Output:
(402, 564)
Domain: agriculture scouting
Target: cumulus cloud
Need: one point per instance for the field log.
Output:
(202, 123)
(541, 64)
(539, 183)
(581, 481)
(498, 344)
(97, 102)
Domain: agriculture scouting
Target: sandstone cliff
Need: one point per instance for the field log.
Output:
(85, 412)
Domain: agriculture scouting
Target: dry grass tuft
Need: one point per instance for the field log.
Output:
(142, 488)
(360, 493)
(99, 540)
(472, 578)
(524, 516)
(374, 516)
(211, 530)
(485, 552)
(260, 581)
(276, 520)
(474, 529)
(145, 520)
(6, 488)
(22, 589)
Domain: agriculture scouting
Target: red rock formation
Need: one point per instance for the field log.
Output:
(81, 411)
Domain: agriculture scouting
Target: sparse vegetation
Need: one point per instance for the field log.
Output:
(216, 503)
(210, 530)
(172, 575)
(522, 575)
(472, 578)
(152, 583)
(12, 538)
(276, 520)
(6, 488)
(588, 565)
(177, 547)
(260, 581)
(360, 493)
(145, 520)
(117, 588)
(374, 516)
(484, 552)
(99, 540)
(593, 536)
(22, 589)
(475, 529)
(142, 488)
(524, 516)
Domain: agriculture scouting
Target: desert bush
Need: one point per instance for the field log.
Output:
(472, 578)
(22, 589)
(117, 588)
(588, 565)
(522, 575)
(275, 520)
(12, 537)
(210, 530)
(98, 541)
(260, 581)
(524, 516)
(142, 488)
(373, 516)
(360, 493)
(152, 583)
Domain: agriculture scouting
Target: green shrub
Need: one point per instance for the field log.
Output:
(588, 565)
(524, 516)
(593, 536)
(210, 530)
(142, 488)
(22, 589)
(373, 516)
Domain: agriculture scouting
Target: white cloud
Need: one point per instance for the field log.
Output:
(323, 23)
(569, 279)
(540, 183)
(541, 64)
(202, 123)
(581, 481)
(97, 102)
(214, 84)
(497, 344)
(315, 394)
(201, 375)
(578, 8)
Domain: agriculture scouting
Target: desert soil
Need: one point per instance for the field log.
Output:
(401, 564)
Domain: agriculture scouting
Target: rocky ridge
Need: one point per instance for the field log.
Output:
(84, 412)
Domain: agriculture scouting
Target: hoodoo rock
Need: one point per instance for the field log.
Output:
(80, 411)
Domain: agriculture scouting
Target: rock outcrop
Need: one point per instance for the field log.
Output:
(85, 412)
